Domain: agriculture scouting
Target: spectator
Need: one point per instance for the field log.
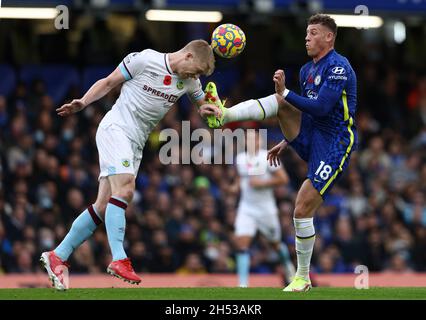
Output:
(192, 265)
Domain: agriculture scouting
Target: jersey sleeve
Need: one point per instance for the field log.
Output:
(336, 77)
(133, 64)
(195, 91)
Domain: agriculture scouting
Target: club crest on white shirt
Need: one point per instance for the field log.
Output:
(179, 85)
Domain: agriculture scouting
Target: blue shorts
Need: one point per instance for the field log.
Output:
(327, 155)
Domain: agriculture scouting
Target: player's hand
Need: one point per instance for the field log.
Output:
(209, 110)
(274, 154)
(69, 108)
(279, 80)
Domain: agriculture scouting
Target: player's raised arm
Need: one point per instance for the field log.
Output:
(327, 96)
(99, 89)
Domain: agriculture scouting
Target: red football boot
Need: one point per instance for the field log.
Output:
(56, 269)
(123, 270)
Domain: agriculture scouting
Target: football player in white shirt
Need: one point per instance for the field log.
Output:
(257, 209)
(151, 83)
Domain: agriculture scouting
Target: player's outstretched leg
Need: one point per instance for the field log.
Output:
(55, 261)
(258, 109)
(213, 98)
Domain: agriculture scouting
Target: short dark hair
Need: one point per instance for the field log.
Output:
(324, 20)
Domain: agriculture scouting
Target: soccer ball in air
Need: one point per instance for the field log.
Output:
(228, 40)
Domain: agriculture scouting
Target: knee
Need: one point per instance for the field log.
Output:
(128, 194)
(125, 193)
(100, 206)
(123, 187)
(242, 244)
(302, 211)
(241, 247)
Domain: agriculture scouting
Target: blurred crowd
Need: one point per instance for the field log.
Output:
(181, 218)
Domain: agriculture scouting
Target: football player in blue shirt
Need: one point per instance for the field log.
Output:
(318, 124)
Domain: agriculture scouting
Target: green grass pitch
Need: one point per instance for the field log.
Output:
(218, 293)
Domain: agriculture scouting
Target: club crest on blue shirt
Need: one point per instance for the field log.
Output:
(317, 80)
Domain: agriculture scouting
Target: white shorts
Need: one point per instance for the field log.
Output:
(117, 153)
(247, 224)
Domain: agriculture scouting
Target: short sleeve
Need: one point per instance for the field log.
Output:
(133, 64)
(336, 77)
(195, 90)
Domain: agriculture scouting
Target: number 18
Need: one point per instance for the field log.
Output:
(325, 172)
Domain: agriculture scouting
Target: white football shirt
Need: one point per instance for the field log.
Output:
(256, 201)
(150, 90)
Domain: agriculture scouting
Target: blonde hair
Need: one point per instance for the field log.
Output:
(203, 54)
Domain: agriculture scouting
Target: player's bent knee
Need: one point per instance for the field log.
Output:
(100, 207)
(302, 211)
(242, 243)
(125, 193)
(242, 247)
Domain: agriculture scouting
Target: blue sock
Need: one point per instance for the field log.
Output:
(243, 267)
(81, 229)
(115, 222)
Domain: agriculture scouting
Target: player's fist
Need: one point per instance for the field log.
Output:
(274, 154)
(69, 108)
(209, 110)
(279, 80)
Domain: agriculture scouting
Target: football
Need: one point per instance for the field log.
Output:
(228, 40)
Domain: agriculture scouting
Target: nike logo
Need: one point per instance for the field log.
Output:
(316, 180)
